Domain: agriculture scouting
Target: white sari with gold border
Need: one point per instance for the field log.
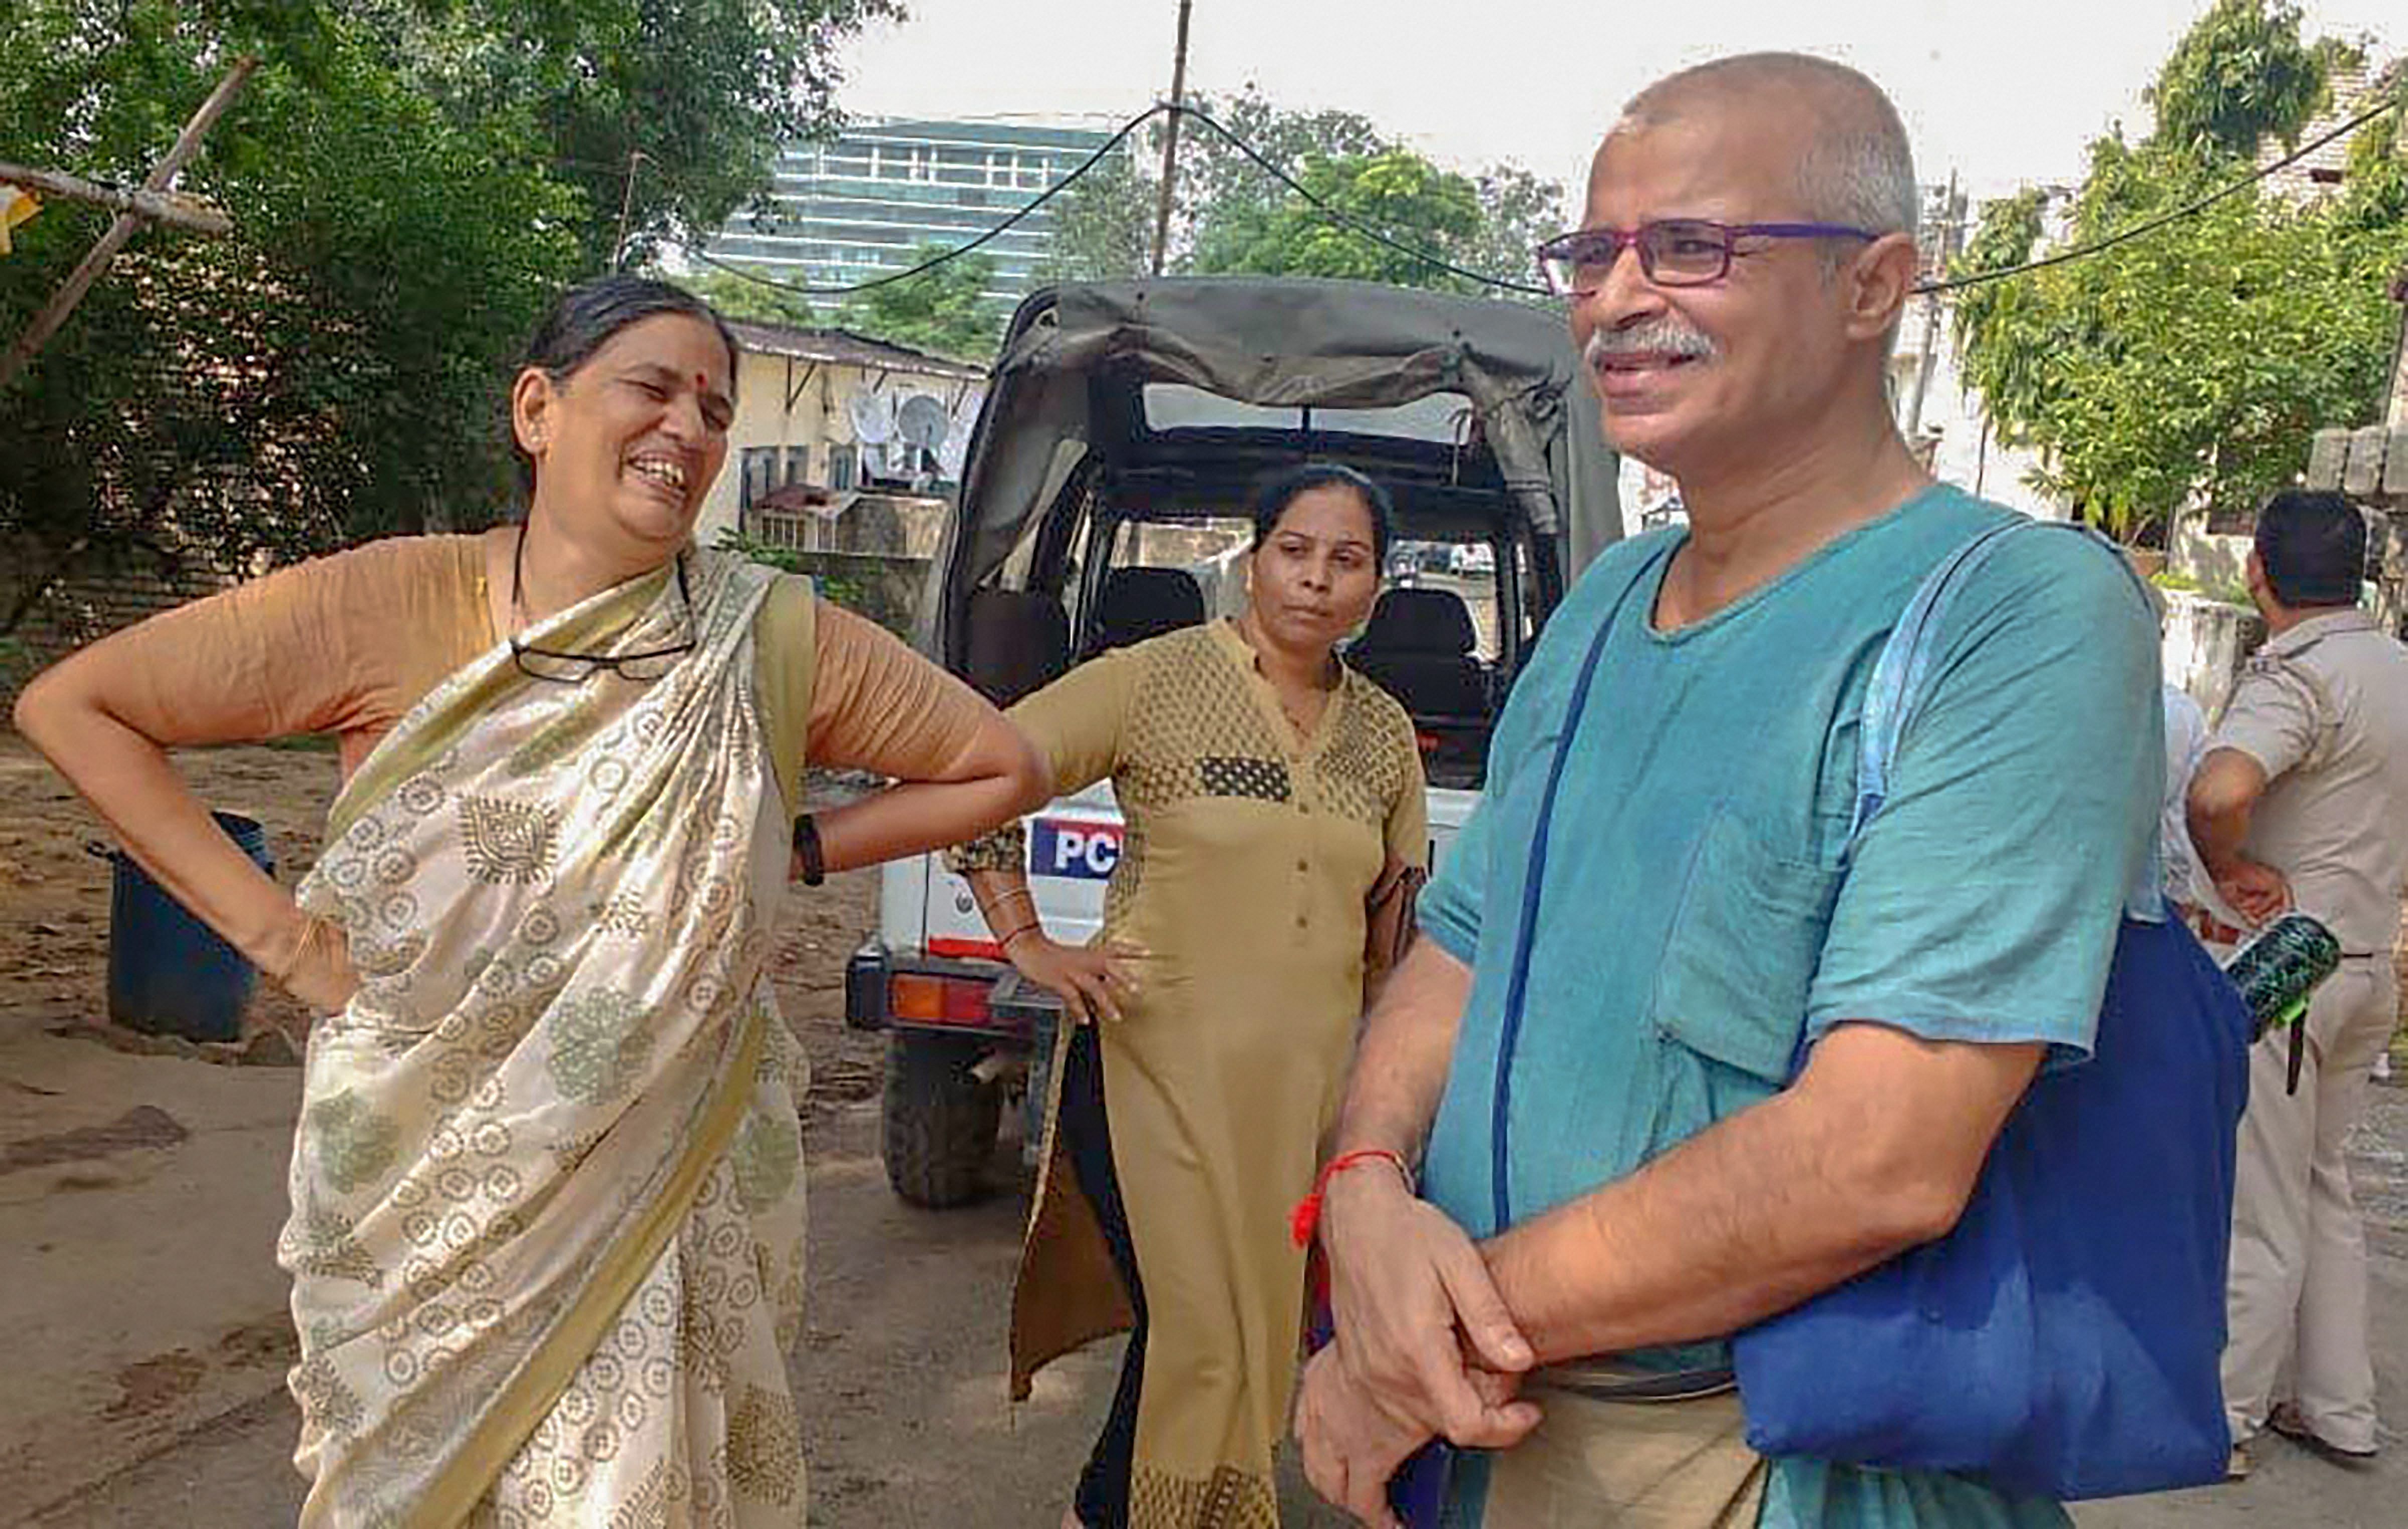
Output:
(547, 1228)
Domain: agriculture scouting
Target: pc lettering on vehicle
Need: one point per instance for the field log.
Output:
(1075, 850)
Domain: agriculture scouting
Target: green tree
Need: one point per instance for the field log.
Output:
(2192, 364)
(1103, 223)
(1394, 191)
(2241, 74)
(671, 111)
(1519, 211)
(1231, 215)
(410, 181)
(944, 311)
(737, 298)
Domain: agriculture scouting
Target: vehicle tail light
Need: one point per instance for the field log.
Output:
(938, 1000)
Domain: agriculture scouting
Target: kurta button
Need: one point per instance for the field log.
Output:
(1304, 864)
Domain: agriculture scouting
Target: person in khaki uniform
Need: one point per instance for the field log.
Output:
(2302, 803)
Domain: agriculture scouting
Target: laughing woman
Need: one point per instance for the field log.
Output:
(1274, 809)
(546, 1233)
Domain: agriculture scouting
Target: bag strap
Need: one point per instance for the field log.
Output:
(1896, 688)
(1533, 881)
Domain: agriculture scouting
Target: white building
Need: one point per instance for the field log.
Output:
(829, 410)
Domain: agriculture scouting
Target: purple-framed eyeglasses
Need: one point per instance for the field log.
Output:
(1673, 251)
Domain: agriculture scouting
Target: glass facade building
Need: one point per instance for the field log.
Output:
(861, 207)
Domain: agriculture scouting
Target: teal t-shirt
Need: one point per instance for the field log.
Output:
(1703, 909)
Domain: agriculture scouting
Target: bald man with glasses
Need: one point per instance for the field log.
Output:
(1615, 1167)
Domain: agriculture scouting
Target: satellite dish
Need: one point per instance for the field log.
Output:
(922, 422)
(873, 417)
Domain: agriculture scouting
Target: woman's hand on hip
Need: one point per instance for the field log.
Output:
(1093, 981)
(320, 975)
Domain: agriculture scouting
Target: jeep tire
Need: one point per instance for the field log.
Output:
(940, 1122)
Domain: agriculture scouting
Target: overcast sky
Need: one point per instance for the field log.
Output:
(2002, 91)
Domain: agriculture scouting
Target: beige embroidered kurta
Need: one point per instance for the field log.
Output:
(1248, 855)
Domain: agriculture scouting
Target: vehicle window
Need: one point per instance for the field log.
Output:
(1467, 570)
(1208, 549)
(1175, 406)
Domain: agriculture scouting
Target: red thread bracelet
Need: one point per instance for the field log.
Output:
(1305, 1218)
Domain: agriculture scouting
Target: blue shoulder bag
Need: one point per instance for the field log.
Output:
(2063, 1341)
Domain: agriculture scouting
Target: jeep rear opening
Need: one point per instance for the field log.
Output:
(1102, 503)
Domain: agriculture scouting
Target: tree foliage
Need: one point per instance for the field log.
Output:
(738, 299)
(410, 181)
(944, 311)
(2242, 74)
(2190, 366)
(1390, 190)
(1231, 215)
(1103, 223)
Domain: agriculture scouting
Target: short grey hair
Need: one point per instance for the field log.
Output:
(1856, 168)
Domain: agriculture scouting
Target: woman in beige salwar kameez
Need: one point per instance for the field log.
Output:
(1274, 813)
(547, 1222)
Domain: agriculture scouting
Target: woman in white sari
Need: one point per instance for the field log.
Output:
(546, 1237)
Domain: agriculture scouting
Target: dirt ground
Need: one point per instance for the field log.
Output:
(141, 1188)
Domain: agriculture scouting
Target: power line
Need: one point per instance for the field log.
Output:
(993, 234)
(1336, 215)
(1370, 231)
(1350, 222)
(2151, 225)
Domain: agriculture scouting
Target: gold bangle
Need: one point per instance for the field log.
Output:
(310, 925)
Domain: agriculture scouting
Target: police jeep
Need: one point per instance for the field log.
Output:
(1102, 502)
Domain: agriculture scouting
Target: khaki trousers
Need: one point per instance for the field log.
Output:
(2298, 1286)
(1629, 1465)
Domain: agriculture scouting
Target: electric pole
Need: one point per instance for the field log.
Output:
(1170, 141)
(1952, 218)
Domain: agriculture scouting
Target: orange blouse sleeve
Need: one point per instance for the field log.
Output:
(878, 706)
(342, 645)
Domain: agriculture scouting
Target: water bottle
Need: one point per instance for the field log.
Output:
(2278, 972)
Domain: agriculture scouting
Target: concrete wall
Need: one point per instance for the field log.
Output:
(886, 590)
(787, 403)
(2214, 562)
(763, 418)
(2204, 644)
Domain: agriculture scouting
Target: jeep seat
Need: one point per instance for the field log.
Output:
(1417, 647)
(1141, 603)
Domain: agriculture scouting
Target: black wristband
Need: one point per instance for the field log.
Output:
(806, 846)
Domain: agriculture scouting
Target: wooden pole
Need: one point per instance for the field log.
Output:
(154, 207)
(163, 176)
(1170, 141)
(627, 206)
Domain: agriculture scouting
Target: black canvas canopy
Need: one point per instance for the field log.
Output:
(1176, 394)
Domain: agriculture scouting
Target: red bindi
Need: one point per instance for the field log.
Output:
(701, 382)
